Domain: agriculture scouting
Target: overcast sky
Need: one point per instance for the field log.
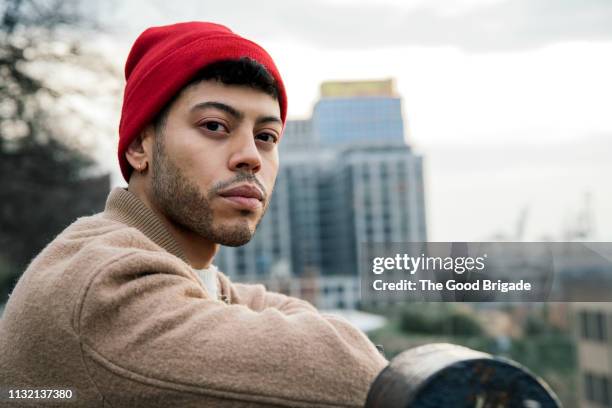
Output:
(509, 102)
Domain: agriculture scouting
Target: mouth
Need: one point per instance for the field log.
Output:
(244, 197)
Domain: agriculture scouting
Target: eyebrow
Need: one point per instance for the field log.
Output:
(234, 112)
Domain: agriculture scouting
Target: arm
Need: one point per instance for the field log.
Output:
(155, 339)
(258, 298)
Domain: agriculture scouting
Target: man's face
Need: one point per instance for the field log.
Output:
(215, 160)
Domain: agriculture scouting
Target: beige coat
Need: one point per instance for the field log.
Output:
(111, 310)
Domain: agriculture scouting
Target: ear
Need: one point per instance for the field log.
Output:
(139, 152)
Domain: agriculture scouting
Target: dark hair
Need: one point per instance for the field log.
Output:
(244, 72)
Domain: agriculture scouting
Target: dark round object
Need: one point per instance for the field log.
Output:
(447, 375)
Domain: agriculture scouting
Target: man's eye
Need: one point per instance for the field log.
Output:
(267, 137)
(214, 126)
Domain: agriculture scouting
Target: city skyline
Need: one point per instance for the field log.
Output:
(356, 182)
(508, 101)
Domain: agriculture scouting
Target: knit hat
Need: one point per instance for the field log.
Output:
(164, 59)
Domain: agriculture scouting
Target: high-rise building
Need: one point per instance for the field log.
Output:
(369, 195)
(358, 113)
(347, 177)
(298, 136)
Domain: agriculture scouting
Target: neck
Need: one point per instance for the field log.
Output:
(198, 250)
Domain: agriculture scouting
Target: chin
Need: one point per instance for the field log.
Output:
(233, 244)
(234, 240)
(233, 233)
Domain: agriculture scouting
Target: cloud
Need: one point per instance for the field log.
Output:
(480, 27)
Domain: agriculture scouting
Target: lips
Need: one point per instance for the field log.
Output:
(243, 191)
(245, 196)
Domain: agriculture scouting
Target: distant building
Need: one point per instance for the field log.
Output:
(593, 331)
(358, 113)
(369, 195)
(298, 136)
(347, 177)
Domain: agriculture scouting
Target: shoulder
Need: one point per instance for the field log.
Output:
(93, 252)
(89, 247)
(95, 238)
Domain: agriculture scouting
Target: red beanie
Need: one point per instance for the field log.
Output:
(164, 59)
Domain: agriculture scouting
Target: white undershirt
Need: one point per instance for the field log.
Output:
(209, 277)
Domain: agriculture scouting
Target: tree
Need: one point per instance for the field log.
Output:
(443, 321)
(46, 177)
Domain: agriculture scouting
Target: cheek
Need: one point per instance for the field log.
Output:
(268, 173)
(200, 161)
(203, 174)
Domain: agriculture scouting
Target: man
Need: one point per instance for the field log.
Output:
(125, 309)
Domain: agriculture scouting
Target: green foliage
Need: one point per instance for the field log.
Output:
(545, 353)
(439, 323)
(537, 326)
(413, 321)
(461, 324)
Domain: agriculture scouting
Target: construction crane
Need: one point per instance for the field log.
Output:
(520, 224)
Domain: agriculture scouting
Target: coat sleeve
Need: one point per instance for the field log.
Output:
(258, 298)
(151, 337)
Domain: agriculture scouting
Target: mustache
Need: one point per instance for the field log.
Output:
(240, 177)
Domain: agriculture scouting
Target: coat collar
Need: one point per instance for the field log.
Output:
(125, 207)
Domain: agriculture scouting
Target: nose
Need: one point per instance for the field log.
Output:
(245, 156)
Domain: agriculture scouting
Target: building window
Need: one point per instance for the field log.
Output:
(584, 325)
(589, 393)
(387, 233)
(401, 169)
(369, 234)
(383, 170)
(597, 389)
(593, 326)
(600, 327)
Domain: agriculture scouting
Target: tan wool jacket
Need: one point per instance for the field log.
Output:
(111, 310)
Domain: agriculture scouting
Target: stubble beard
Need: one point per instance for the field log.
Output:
(182, 202)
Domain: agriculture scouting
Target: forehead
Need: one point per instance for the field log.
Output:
(247, 100)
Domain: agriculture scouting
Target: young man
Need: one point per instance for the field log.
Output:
(125, 309)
